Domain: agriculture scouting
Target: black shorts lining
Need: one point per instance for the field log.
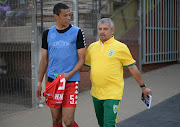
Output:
(51, 80)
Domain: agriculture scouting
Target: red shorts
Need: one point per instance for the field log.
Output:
(70, 96)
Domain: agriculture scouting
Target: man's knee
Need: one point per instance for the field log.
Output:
(68, 122)
(56, 121)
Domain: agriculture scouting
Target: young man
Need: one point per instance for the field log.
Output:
(106, 59)
(63, 53)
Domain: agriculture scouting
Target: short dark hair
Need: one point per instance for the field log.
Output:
(57, 8)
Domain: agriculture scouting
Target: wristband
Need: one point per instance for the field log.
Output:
(144, 85)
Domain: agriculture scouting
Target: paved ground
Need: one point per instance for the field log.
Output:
(165, 114)
(164, 82)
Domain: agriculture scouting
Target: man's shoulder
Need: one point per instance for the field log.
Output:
(75, 27)
(94, 44)
(46, 32)
(52, 27)
(119, 44)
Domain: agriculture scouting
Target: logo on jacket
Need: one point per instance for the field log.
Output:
(111, 52)
(53, 35)
(115, 108)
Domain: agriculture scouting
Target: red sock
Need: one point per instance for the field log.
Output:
(60, 125)
(75, 124)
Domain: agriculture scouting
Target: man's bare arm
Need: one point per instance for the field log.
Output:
(42, 70)
(85, 68)
(43, 65)
(138, 77)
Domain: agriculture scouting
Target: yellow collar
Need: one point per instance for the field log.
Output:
(108, 41)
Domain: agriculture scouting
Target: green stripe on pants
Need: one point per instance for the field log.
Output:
(106, 111)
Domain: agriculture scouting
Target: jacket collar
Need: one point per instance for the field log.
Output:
(108, 41)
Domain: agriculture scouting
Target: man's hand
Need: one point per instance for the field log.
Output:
(38, 91)
(146, 91)
(85, 68)
(66, 75)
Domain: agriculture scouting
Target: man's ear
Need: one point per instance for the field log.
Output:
(113, 30)
(55, 16)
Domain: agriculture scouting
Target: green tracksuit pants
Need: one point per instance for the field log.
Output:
(106, 111)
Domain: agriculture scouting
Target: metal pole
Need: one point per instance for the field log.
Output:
(140, 36)
(99, 6)
(41, 2)
(96, 20)
(34, 54)
(75, 12)
(178, 25)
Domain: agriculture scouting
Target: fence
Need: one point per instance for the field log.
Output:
(161, 31)
(16, 37)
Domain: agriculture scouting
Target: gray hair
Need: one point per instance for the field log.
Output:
(107, 20)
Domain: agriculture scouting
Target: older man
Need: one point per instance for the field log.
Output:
(106, 59)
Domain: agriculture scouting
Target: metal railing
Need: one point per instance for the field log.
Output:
(161, 31)
(18, 57)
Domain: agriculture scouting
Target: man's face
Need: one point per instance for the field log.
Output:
(64, 17)
(105, 32)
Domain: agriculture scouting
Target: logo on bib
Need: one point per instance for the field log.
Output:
(111, 52)
(115, 108)
(53, 35)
